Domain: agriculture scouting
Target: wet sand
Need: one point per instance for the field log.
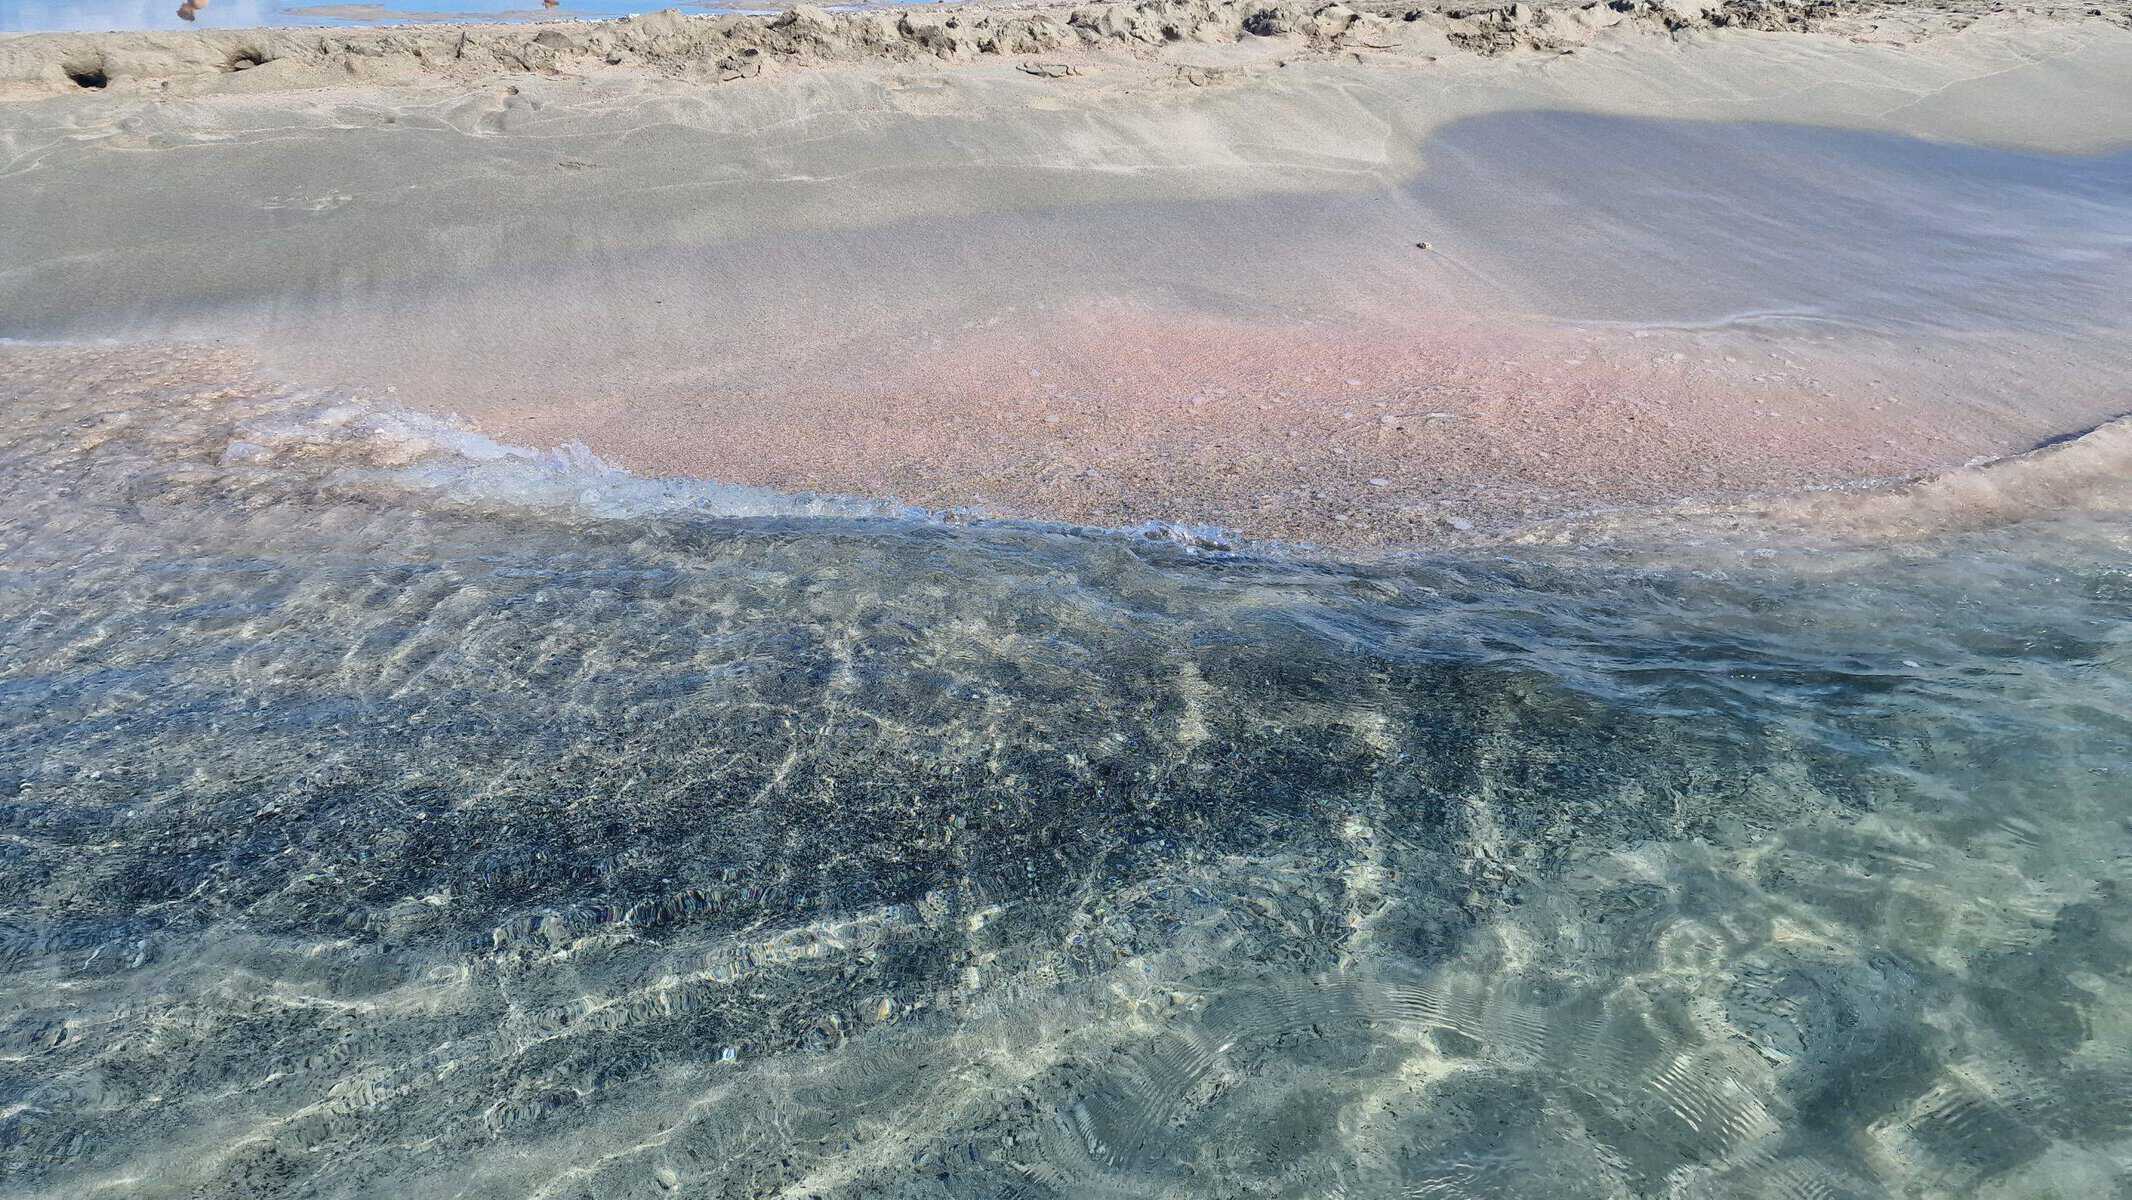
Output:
(372, 838)
(1185, 282)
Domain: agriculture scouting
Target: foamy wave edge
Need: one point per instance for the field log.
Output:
(2082, 475)
(2090, 473)
(444, 460)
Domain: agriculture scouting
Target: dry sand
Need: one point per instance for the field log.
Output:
(1130, 262)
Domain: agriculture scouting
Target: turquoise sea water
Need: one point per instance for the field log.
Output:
(392, 813)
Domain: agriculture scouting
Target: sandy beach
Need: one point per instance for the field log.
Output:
(1352, 277)
(1214, 601)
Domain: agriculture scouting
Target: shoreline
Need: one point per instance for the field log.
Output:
(1296, 285)
(385, 451)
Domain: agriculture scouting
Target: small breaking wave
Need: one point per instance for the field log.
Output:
(445, 460)
(2087, 475)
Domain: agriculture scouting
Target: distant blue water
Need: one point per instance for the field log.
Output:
(39, 16)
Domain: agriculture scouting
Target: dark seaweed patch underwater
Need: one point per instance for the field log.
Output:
(393, 815)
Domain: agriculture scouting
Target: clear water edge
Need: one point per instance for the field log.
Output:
(394, 813)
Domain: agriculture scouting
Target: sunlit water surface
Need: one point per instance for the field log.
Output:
(391, 814)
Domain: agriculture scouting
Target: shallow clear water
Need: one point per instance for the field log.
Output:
(393, 814)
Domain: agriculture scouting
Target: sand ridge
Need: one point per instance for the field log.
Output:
(729, 48)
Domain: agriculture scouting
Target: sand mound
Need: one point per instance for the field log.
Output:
(729, 48)
(1349, 275)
